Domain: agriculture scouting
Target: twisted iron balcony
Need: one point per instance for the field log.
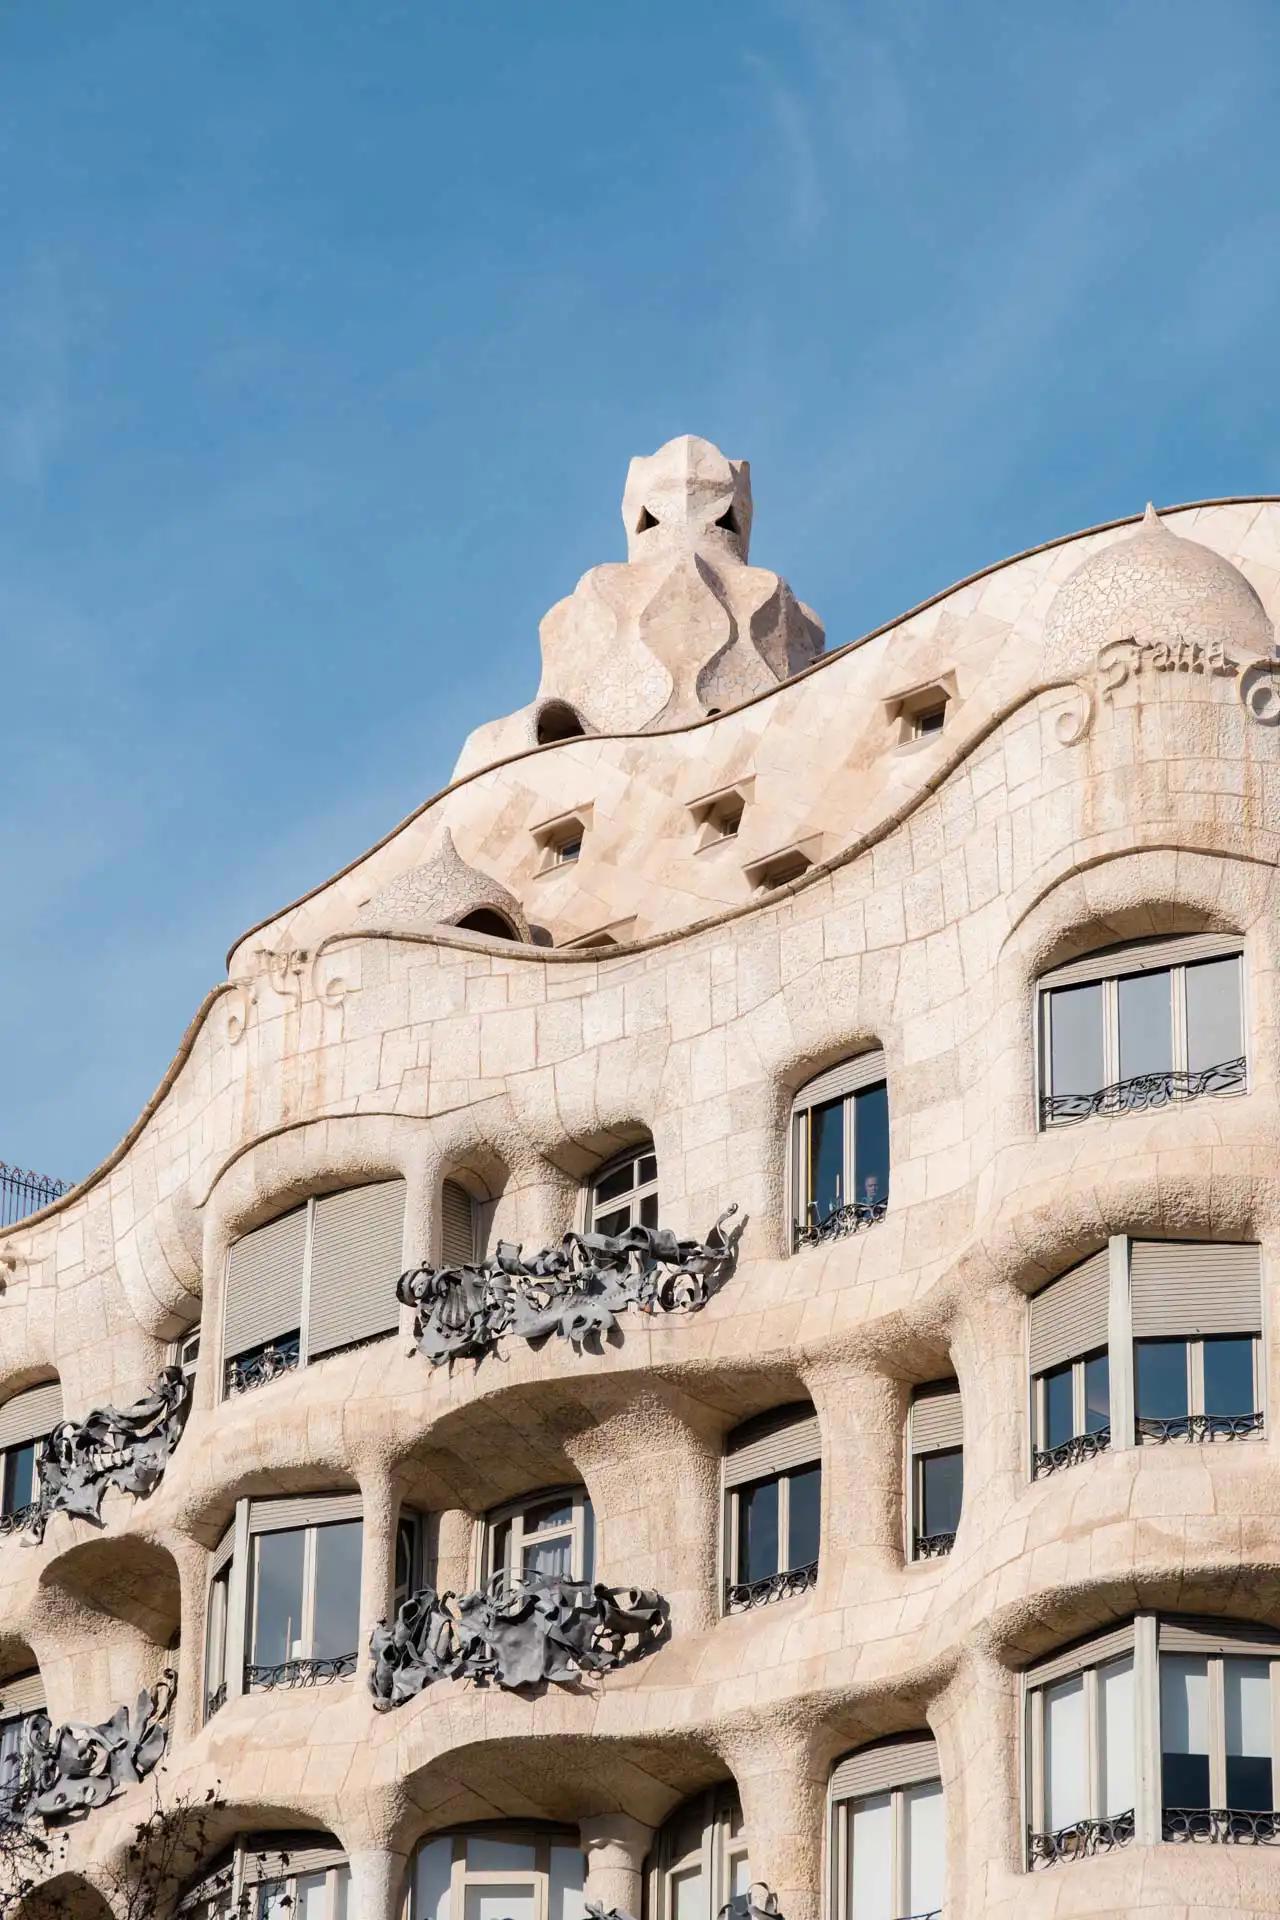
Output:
(317, 1672)
(743, 1596)
(1143, 1092)
(19, 1520)
(1080, 1840)
(1081, 1446)
(1220, 1826)
(1198, 1427)
(22, 1193)
(932, 1546)
(249, 1370)
(852, 1217)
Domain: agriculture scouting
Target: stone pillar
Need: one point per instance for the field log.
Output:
(451, 1566)
(616, 1847)
(377, 1883)
(862, 1414)
(783, 1789)
(380, 1503)
(654, 1481)
(187, 1716)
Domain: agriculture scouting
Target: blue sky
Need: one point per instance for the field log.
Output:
(327, 330)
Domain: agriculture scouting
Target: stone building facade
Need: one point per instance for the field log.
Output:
(909, 1541)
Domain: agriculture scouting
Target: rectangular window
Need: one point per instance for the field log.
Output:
(304, 1602)
(890, 1850)
(1143, 1035)
(1072, 1406)
(551, 1535)
(941, 1492)
(1217, 1715)
(19, 1478)
(774, 1527)
(1083, 1733)
(841, 1154)
(1197, 1389)
(625, 1194)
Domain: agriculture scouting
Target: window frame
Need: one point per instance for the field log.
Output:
(1079, 1404)
(633, 1198)
(1105, 969)
(722, 1844)
(544, 1837)
(917, 1454)
(839, 1823)
(1195, 1345)
(579, 1530)
(866, 1078)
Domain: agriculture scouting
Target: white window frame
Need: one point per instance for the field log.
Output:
(732, 1520)
(839, 1844)
(800, 1157)
(721, 1848)
(639, 1190)
(1034, 1723)
(184, 1353)
(1216, 1664)
(514, 1511)
(1079, 1400)
(461, 1875)
(1112, 968)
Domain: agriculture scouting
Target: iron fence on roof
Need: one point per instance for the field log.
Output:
(23, 1193)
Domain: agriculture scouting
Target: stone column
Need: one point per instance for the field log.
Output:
(187, 1716)
(862, 1414)
(380, 1503)
(783, 1789)
(616, 1847)
(377, 1883)
(452, 1567)
(654, 1481)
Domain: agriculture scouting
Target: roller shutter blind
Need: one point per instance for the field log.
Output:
(302, 1510)
(1194, 1634)
(1069, 1316)
(23, 1694)
(30, 1415)
(280, 1856)
(849, 1076)
(457, 1226)
(1147, 957)
(773, 1445)
(356, 1246)
(222, 1554)
(1089, 1653)
(937, 1417)
(893, 1763)
(1186, 1287)
(264, 1284)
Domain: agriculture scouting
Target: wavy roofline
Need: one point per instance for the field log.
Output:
(691, 726)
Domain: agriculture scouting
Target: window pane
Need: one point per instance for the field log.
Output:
(758, 1530)
(926, 1847)
(1228, 1375)
(871, 1145)
(826, 1156)
(215, 1639)
(498, 1900)
(277, 1598)
(487, 1854)
(941, 1491)
(1184, 1729)
(739, 1873)
(1117, 1768)
(1247, 1686)
(871, 1865)
(806, 1516)
(431, 1880)
(648, 1170)
(588, 1542)
(313, 1897)
(1066, 1773)
(649, 1210)
(620, 1181)
(19, 1477)
(501, 1546)
(552, 1557)
(342, 1894)
(549, 1513)
(687, 1899)
(1075, 1039)
(337, 1599)
(612, 1223)
(1059, 1408)
(1146, 1023)
(1160, 1379)
(1097, 1393)
(1213, 1014)
(275, 1902)
(404, 1557)
(566, 1884)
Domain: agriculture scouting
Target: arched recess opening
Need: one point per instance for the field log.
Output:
(488, 920)
(558, 721)
(67, 1897)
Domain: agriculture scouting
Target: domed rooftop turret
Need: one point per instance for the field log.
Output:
(446, 891)
(1153, 585)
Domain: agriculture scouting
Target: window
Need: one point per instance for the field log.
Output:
(545, 1533)
(274, 1876)
(773, 1507)
(312, 1282)
(937, 1468)
(21, 1698)
(1070, 1367)
(283, 1606)
(700, 1860)
(921, 714)
(1189, 1705)
(518, 1873)
(26, 1421)
(559, 841)
(1197, 1322)
(928, 721)
(718, 816)
(840, 1150)
(1135, 1027)
(625, 1193)
(888, 1837)
(777, 869)
(185, 1354)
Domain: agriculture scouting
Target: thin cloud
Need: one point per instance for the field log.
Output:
(35, 355)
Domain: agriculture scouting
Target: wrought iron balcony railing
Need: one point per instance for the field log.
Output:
(316, 1672)
(1081, 1446)
(743, 1596)
(22, 1193)
(249, 1370)
(1220, 1826)
(1080, 1840)
(1143, 1092)
(215, 1701)
(1198, 1427)
(853, 1217)
(932, 1546)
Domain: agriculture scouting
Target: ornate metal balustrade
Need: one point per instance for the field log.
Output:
(853, 1217)
(1220, 1826)
(1079, 1841)
(513, 1633)
(301, 1673)
(1081, 1446)
(1143, 1092)
(19, 1520)
(577, 1291)
(22, 1193)
(59, 1773)
(127, 1448)
(251, 1370)
(743, 1596)
(932, 1546)
(758, 1902)
(1198, 1427)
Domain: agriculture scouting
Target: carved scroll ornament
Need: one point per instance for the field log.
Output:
(577, 1290)
(111, 1447)
(58, 1773)
(513, 1633)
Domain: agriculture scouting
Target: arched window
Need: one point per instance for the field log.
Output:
(1161, 1729)
(773, 1507)
(519, 1872)
(551, 1532)
(888, 1836)
(840, 1150)
(625, 1192)
(1135, 1027)
(274, 1876)
(26, 1421)
(936, 1490)
(312, 1281)
(701, 1858)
